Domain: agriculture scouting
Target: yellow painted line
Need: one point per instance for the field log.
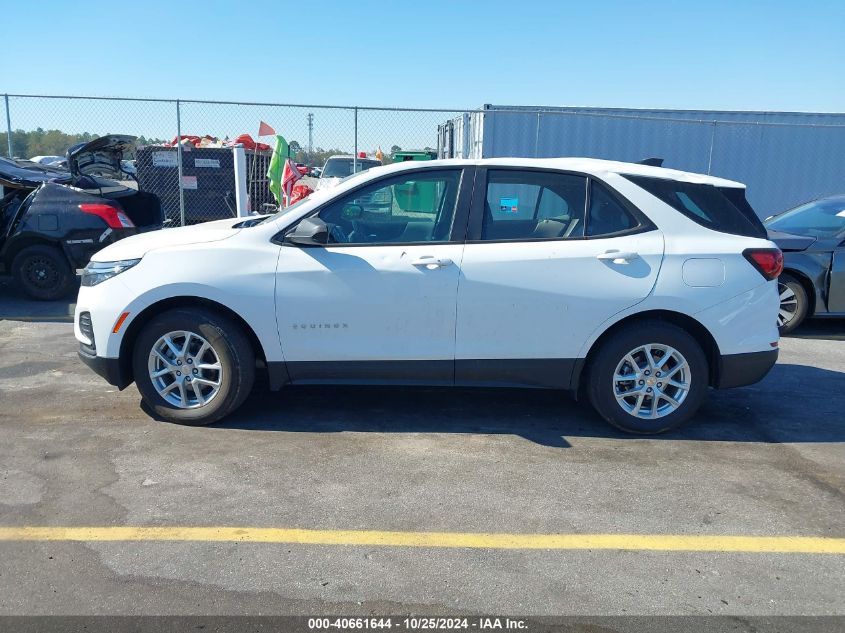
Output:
(653, 542)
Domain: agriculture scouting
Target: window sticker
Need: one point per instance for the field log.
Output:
(509, 205)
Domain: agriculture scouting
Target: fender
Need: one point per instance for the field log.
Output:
(815, 268)
(142, 308)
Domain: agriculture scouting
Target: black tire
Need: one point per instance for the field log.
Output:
(231, 346)
(43, 272)
(794, 303)
(601, 387)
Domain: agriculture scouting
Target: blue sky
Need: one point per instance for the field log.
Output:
(707, 54)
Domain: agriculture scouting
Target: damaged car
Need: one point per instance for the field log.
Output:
(812, 238)
(52, 221)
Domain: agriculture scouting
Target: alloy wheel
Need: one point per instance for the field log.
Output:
(651, 381)
(788, 304)
(185, 369)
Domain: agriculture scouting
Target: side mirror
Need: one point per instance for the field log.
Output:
(309, 232)
(353, 211)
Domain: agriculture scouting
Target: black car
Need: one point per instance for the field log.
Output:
(52, 221)
(812, 238)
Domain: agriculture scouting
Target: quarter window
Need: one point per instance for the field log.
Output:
(531, 205)
(607, 215)
(721, 209)
(413, 207)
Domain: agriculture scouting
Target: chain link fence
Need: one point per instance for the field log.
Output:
(784, 158)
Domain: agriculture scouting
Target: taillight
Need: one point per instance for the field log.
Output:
(767, 261)
(115, 218)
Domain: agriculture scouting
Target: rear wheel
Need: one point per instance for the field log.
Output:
(649, 378)
(193, 366)
(43, 272)
(793, 303)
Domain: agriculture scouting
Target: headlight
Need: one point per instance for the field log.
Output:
(97, 272)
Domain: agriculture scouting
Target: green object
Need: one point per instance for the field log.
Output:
(401, 157)
(277, 166)
(416, 196)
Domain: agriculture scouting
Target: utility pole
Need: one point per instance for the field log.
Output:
(310, 136)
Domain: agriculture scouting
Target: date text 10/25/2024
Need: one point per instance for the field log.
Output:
(416, 624)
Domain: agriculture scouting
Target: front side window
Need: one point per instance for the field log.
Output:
(530, 205)
(412, 207)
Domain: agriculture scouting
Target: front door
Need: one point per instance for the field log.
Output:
(377, 303)
(836, 302)
(549, 257)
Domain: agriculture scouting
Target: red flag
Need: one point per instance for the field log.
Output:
(265, 130)
(290, 175)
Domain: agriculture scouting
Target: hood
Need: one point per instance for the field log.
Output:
(790, 242)
(100, 157)
(139, 245)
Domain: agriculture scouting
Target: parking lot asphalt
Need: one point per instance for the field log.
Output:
(766, 460)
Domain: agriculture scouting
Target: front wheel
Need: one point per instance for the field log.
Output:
(193, 366)
(649, 378)
(793, 303)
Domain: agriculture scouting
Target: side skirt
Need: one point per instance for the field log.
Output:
(542, 373)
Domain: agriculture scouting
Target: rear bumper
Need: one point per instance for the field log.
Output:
(108, 368)
(739, 370)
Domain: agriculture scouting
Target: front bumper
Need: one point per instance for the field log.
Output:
(739, 370)
(109, 368)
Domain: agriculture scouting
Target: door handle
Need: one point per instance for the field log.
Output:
(618, 257)
(431, 262)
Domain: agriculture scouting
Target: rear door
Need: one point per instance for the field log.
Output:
(550, 255)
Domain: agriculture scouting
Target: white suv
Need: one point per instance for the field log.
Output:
(637, 287)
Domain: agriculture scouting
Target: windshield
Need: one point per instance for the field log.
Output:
(324, 194)
(285, 210)
(342, 167)
(820, 218)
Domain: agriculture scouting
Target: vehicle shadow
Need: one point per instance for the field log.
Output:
(16, 306)
(795, 403)
(829, 329)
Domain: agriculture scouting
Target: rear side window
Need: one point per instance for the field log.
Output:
(721, 209)
(533, 205)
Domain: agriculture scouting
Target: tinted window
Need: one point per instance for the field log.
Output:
(526, 205)
(707, 205)
(821, 218)
(607, 215)
(411, 207)
(342, 167)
